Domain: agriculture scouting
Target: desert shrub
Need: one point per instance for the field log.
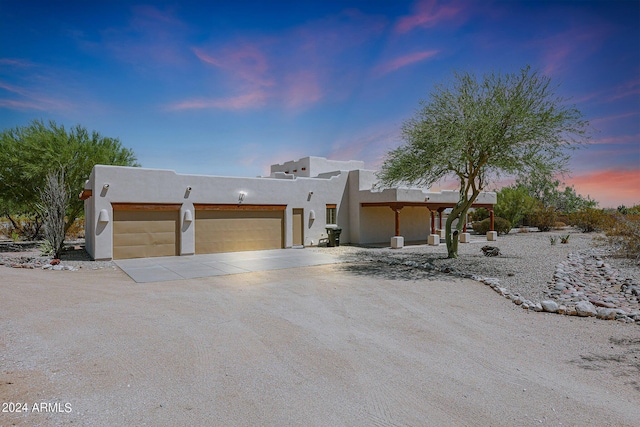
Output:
(478, 214)
(553, 240)
(623, 233)
(589, 219)
(565, 239)
(502, 226)
(543, 217)
(513, 204)
(54, 201)
(76, 230)
(559, 225)
(26, 227)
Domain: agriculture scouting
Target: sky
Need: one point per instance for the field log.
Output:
(231, 87)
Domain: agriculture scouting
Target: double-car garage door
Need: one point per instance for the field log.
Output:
(151, 230)
(231, 228)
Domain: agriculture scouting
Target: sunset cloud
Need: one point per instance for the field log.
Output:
(609, 187)
(403, 61)
(21, 98)
(246, 101)
(428, 13)
(567, 48)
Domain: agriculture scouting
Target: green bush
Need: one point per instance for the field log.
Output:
(478, 214)
(513, 204)
(502, 226)
(589, 219)
(543, 217)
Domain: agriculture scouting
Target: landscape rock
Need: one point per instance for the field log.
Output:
(585, 309)
(550, 306)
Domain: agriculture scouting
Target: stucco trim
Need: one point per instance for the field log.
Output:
(231, 207)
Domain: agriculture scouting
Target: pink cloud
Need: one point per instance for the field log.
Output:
(607, 119)
(246, 101)
(426, 14)
(629, 88)
(623, 139)
(369, 147)
(403, 61)
(152, 38)
(294, 69)
(569, 47)
(302, 88)
(610, 188)
(16, 62)
(29, 100)
(244, 62)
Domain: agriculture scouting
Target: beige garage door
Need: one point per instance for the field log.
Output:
(221, 228)
(141, 231)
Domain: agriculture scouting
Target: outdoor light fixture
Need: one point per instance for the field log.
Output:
(189, 188)
(104, 215)
(188, 216)
(312, 215)
(105, 186)
(241, 196)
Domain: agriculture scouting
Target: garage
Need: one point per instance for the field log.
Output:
(234, 228)
(145, 230)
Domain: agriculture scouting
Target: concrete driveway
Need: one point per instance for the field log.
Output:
(161, 269)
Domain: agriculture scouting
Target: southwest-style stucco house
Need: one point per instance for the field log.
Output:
(136, 212)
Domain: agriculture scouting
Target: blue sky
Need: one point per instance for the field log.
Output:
(230, 87)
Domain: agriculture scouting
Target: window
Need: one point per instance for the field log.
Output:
(331, 214)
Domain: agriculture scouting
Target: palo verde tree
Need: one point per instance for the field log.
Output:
(481, 129)
(29, 154)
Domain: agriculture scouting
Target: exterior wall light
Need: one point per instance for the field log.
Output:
(188, 216)
(312, 215)
(103, 216)
(241, 196)
(189, 188)
(105, 186)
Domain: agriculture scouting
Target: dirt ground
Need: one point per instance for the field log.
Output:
(317, 346)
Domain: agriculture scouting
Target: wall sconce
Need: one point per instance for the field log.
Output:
(104, 215)
(188, 216)
(312, 215)
(188, 188)
(105, 186)
(241, 196)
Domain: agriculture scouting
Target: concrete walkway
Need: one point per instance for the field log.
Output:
(161, 269)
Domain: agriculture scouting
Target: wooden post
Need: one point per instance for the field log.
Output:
(440, 219)
(491, 220)
(433, 222)
(397, 211)
(464, 226)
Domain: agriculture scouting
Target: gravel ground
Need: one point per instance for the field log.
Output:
(525, 265)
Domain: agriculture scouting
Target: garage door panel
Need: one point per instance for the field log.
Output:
(233, 231)
(145, 233)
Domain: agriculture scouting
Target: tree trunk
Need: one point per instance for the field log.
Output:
(458, 212)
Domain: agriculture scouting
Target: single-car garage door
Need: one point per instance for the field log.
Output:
(232, 228)
(145, 230)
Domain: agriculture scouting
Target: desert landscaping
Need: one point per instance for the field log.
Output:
(385, 337)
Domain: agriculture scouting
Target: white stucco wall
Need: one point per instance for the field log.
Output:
(138, 185)
(313, 166)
